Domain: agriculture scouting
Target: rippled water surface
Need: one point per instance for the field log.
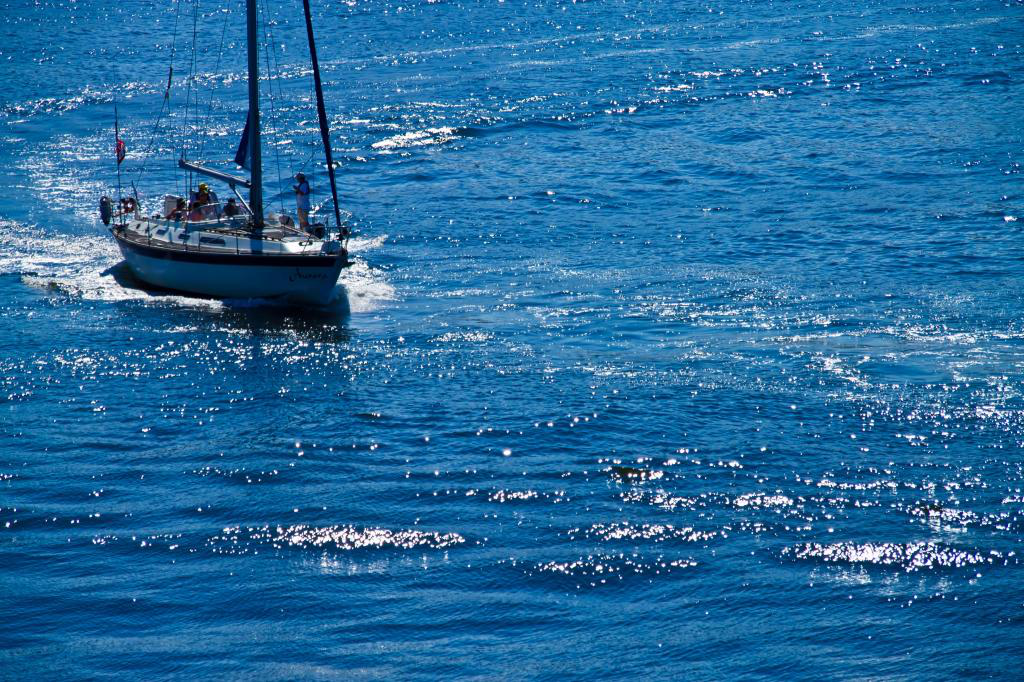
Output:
(684, 341)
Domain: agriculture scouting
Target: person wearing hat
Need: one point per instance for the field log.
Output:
(207, 201)
(203, 195)
(302, 200)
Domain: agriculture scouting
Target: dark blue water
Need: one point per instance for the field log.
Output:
(684, 341)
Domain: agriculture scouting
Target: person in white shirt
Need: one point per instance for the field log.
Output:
(302, 200)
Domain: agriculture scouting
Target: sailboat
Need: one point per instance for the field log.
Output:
(203, 247)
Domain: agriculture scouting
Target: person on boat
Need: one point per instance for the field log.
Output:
(207, 201)
(195, 212)
(127, 206)
(202, 197)
(231, 208)
(178, 212)
(302, 200)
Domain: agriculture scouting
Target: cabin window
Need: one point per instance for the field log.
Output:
(217, 241)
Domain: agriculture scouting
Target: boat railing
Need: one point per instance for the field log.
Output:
(226, 227)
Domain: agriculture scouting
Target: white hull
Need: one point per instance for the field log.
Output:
(218, 273)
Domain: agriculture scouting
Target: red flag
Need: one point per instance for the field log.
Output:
(120, 150)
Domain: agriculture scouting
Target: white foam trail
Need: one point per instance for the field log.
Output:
(363, 243)
(416, 138)
(80, 265)
(366, 288)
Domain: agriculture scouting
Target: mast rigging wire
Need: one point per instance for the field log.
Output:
(216, 69)
(268, 44)
(321, 111)
(188, 93)
(165, 105)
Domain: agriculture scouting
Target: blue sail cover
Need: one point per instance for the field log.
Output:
(242, 156)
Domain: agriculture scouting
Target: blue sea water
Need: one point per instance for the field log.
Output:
(684, 341)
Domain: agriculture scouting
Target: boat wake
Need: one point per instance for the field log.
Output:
(90, 267)
(363, 288)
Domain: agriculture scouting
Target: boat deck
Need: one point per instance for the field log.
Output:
(224, 238)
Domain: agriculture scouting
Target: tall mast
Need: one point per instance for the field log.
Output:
(256, 160)
(321, 111)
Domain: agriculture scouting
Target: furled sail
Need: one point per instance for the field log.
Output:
(242, 156)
